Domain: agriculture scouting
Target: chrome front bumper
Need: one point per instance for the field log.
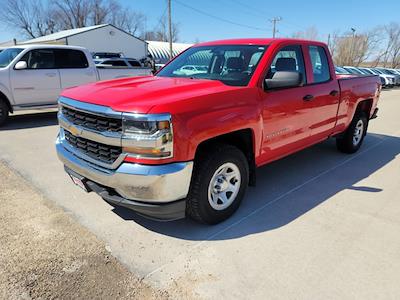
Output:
(153, 184)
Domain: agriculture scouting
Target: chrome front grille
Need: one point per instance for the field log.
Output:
(101, 152)
(92, 121)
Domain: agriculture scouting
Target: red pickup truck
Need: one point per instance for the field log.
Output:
(187, 141)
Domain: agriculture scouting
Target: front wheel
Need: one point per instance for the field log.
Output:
(353, 137)
(219, 182)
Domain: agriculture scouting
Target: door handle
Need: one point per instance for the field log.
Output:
(50, 74)
(308, 97)
(334, 93)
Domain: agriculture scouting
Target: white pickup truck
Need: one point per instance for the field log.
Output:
(32, 76)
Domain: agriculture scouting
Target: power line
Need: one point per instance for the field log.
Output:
(252, 8)
(248, 11)
(218, 18)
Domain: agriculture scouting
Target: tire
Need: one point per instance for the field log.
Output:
(4, 111)
(209, 187)
(353, 137)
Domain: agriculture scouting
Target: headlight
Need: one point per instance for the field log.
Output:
(147, 136)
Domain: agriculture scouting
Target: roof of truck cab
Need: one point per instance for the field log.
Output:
(257, 41)
(46, 46)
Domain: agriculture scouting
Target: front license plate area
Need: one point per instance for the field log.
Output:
(79, 182)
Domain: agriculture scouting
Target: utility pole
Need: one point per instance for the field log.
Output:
(353, 44)
(274, 21)
(170, 29)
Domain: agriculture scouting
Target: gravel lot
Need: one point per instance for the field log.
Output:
(45, 254)
(320, 224)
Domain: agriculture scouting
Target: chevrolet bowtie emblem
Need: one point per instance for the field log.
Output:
(75, 131)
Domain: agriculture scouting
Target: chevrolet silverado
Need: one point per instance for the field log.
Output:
(188, 143)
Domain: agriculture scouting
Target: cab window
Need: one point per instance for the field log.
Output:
(289, 58)
(320, 65)
(40, 59)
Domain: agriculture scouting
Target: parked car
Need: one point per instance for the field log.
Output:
(117, 63)
(341, 71)
(390, 72)
(33, 76)
(193, 143)
(391, 79)
(103, 55)
(397, 71)
(191, 70)
(385, 81)
(353, 70)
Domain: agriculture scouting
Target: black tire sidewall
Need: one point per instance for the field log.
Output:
(4, 112)
(206, 172)
(345, 144)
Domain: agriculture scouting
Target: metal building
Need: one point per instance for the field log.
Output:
(160, 50)
(99, 38)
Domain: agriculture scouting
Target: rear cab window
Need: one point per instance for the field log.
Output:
(71, 59)
(319, 64)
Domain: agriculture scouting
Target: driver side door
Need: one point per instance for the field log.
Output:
(38, 84)
(285, 111)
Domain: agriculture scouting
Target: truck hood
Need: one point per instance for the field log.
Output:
(141, 94)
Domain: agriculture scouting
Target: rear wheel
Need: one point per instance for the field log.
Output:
(353, 137)
(3, 112)
(219, 182)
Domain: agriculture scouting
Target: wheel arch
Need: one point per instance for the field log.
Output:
(364, 106)
(243, 139)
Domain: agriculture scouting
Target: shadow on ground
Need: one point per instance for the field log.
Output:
(287, 189)
(30, 120)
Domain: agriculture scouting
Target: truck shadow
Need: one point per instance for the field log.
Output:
(30, 120)
(287, 189)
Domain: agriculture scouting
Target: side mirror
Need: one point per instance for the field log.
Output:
(21, 65)
(284, 79)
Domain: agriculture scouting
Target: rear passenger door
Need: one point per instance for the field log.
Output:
(325, 93)
(74, 68)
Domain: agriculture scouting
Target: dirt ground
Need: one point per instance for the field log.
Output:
(45, 254)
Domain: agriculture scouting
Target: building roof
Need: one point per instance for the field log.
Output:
(62, 34)
(160, 50)
(70, 32)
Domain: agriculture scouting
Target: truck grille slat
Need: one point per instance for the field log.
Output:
(92, 121)
(104, 153)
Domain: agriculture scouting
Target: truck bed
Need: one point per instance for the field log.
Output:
(353, 88)
(112, 72)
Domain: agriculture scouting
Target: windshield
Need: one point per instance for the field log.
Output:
(230, 64)
(390, 72)
(7, 55)
(367, 71)
(378, 71)
(353, 71)
(340, 70)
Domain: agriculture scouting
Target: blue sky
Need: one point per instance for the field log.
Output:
(297, 15)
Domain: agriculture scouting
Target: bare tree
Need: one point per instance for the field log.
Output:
(73, 13)
(391, 57)
(37, 17)
(128, 20)
(355, 49)
(29, 17)
(311, 33)
(160, 32)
